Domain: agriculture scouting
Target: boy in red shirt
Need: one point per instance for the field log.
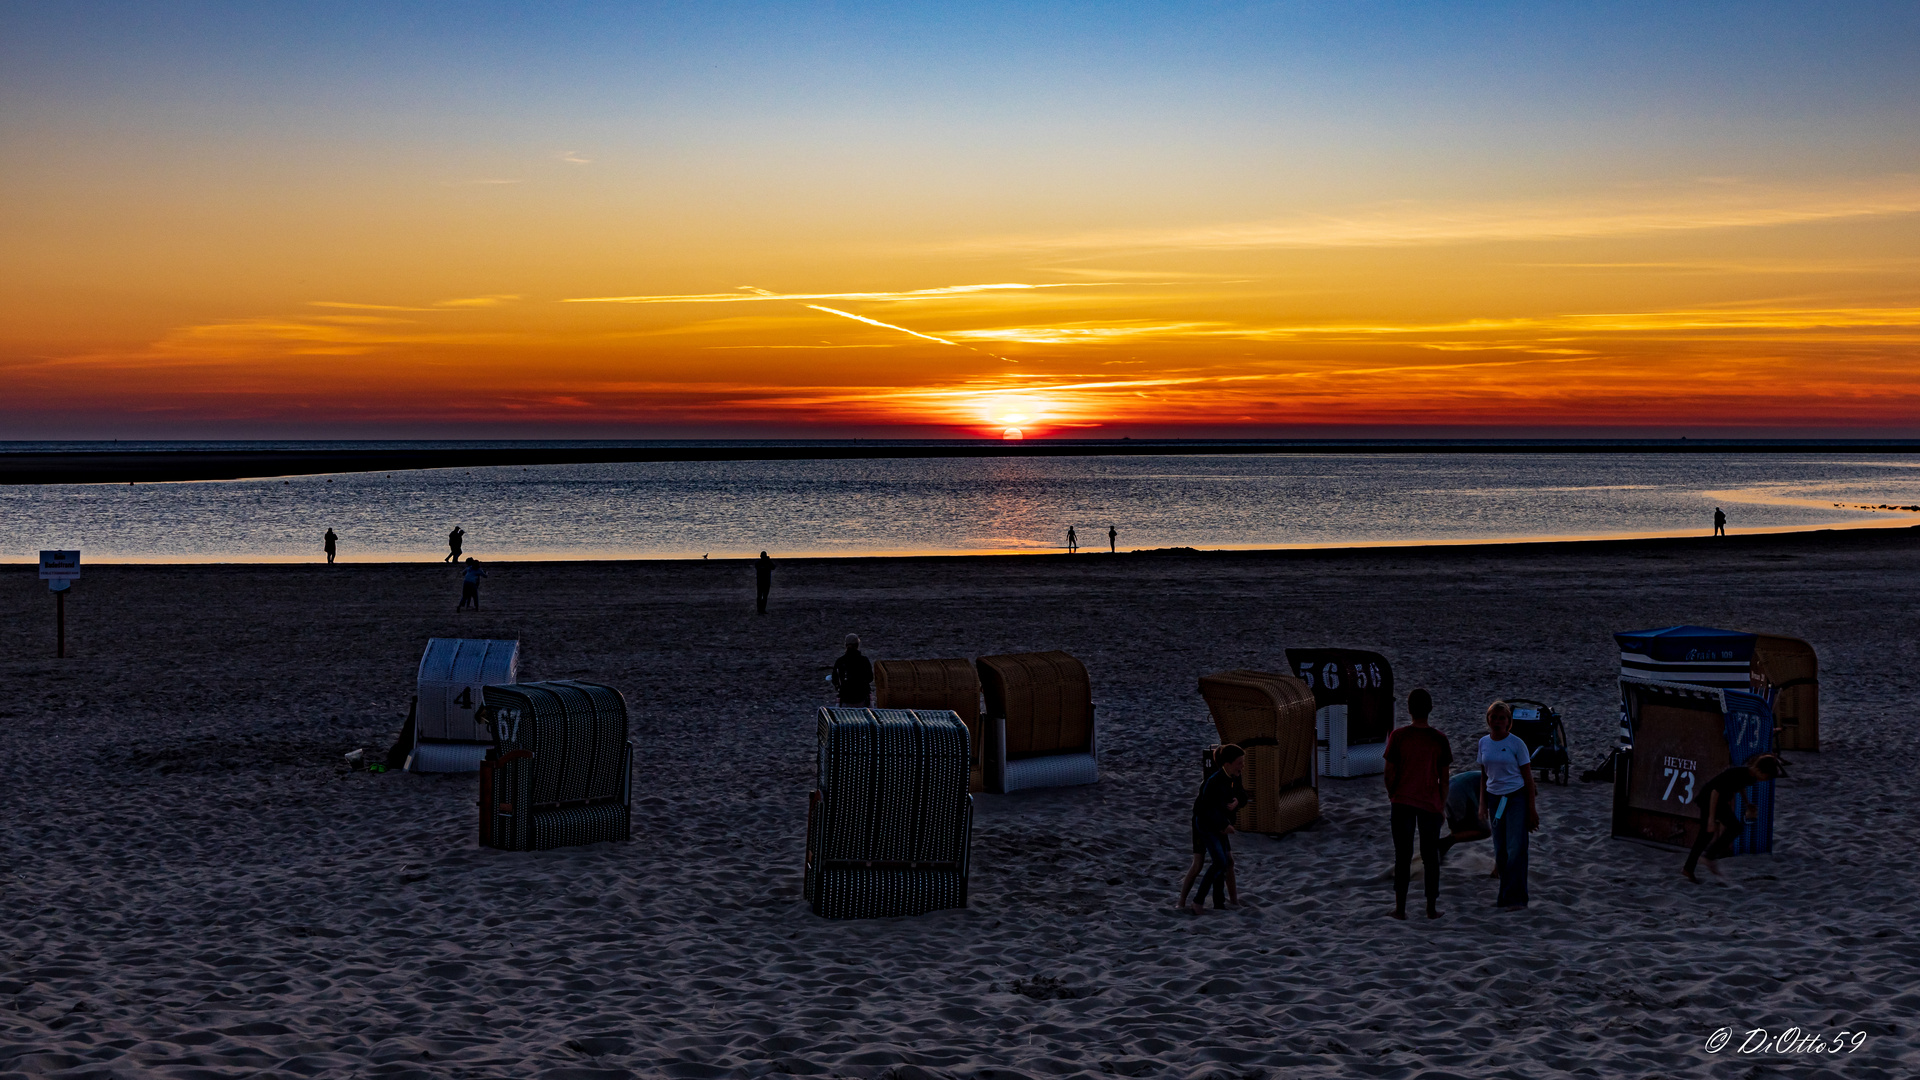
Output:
(1418, 761)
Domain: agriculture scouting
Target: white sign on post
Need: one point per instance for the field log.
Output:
(59, 569)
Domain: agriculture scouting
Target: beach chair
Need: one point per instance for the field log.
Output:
(1683, 736)
(1271, 717)
(941, 686)
(890, 823)
(1787, 673)
(1539, 726)
(446, 734)
(560, 772)
(1353, 695)
(1684, 656)
(1040, 726)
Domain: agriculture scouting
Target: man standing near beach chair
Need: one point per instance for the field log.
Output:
(1507, 803)
(1418, 759)
(853, 675)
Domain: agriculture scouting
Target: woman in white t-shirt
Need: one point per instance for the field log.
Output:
(1507, 803)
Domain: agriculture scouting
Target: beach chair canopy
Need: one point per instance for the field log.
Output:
(1359, 680)
(1046, 699)
(1272, 718)
(1694, 655)
(937, 685)
(453, 672)
(1788, 672)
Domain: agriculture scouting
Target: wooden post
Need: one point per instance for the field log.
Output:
(60, 606)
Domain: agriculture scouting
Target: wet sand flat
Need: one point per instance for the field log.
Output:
(197, 886)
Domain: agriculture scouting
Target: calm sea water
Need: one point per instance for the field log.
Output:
(864, 507)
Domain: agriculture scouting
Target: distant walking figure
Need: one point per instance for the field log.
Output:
(331, 542)
(853, 674)
(1719, 522)
(454, 540)
(1113, 537)
(762, 581)
(470, 585)
(1073, 540)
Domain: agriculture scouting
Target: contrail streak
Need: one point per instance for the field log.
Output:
(889, 326)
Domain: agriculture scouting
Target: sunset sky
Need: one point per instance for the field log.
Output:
(1076, 221)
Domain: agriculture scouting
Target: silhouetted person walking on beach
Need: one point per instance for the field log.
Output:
(1417, 759)
(1073, 541)
(332, 544)
(853, 674)
(454, 539)
(1719, 522)
(470, 585)
(1113, 537)
(762, 581)
(1719, 825)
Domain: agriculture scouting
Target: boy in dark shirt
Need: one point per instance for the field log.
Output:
(1418, 760)
(1230, 895)
(853, 675)
(1720, 825)
(1213, 818)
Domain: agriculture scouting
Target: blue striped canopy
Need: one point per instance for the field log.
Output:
(1688, 644)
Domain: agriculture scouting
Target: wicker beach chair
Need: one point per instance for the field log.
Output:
(1787, 670)
(941, 686)
(1040, 727)
(446, 735)
(890, 824)
(560, 772)
(1271, 717)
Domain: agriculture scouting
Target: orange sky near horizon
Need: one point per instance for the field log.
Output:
(239, 282)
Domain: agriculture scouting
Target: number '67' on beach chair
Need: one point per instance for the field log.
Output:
(560, 771)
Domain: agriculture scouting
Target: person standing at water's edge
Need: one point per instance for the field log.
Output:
(1507, 803)
(470, 585)
(853, 675)
(331, 543)
(762, 581)
(454, 540)
(1418, 759)
(1073, 541)
(1719, 522)
(1113, 538)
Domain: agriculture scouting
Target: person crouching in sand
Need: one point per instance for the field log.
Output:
(1719, 825)
(1418, 759)
(1507, 803)
(1213, 812)
(1464, 823)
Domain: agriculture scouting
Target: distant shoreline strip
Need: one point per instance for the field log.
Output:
(97, 466)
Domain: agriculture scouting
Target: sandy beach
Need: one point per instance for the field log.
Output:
(198, 886)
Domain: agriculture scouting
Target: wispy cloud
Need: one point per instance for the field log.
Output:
(572, 157)
(1715, 205)
(489, 300)
(889, 326)
(750, 294)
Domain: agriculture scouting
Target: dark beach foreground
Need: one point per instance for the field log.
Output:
(198, 886)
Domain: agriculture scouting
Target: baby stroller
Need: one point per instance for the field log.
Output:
(1540, 728)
